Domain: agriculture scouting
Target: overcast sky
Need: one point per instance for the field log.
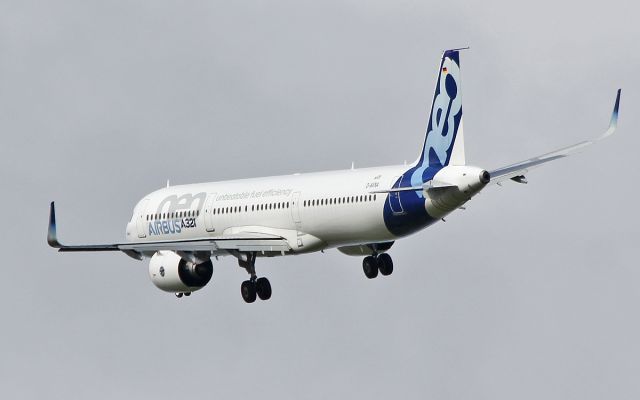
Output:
(532, 292)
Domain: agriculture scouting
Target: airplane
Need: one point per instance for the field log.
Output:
(361, 212)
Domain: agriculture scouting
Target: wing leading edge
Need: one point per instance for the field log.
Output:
(516, 171)
(250, 242)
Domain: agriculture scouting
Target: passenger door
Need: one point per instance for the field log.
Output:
(209, 217)
(141, 222)
(394, 197)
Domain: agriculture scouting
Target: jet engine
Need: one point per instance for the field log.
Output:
(169, 272)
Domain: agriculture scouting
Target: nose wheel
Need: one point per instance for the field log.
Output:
(254, 287)
(382, 263)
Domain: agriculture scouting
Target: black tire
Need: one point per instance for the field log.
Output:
(370, 267)
(248, 291)
(263, 288)
(385, 264)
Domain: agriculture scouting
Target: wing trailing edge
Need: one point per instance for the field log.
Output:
(520, 168)
(248, 242)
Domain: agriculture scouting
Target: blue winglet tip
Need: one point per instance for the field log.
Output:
(52, 237)
(616, 109)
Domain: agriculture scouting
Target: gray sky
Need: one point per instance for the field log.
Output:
(530, 293)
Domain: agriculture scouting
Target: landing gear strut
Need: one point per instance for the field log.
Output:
(377, 262)
(249, 289)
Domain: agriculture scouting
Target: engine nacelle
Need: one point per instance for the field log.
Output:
(169, 272)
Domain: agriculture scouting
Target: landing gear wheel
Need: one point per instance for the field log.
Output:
(370, 267)
(263, 288)
(248, 291)
(178, 295)
(385, 264)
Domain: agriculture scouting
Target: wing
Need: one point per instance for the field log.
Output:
(516, 171)
(249, 242)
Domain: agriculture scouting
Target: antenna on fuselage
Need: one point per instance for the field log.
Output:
(353, 165)
(167, 182)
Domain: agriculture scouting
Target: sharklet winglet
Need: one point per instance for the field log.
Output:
(52, 236)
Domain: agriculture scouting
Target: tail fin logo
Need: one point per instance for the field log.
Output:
(445, 118)
(447, 108)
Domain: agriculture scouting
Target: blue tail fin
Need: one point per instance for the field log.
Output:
(445, 120)
(444, 141)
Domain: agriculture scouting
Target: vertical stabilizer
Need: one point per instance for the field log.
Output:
(444, 140)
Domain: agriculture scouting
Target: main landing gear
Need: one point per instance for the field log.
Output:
(377, 262)
(254, 287)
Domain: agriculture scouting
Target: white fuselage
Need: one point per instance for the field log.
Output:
(313, 211)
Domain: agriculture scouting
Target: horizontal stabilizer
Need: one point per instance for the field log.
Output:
(428, 186)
